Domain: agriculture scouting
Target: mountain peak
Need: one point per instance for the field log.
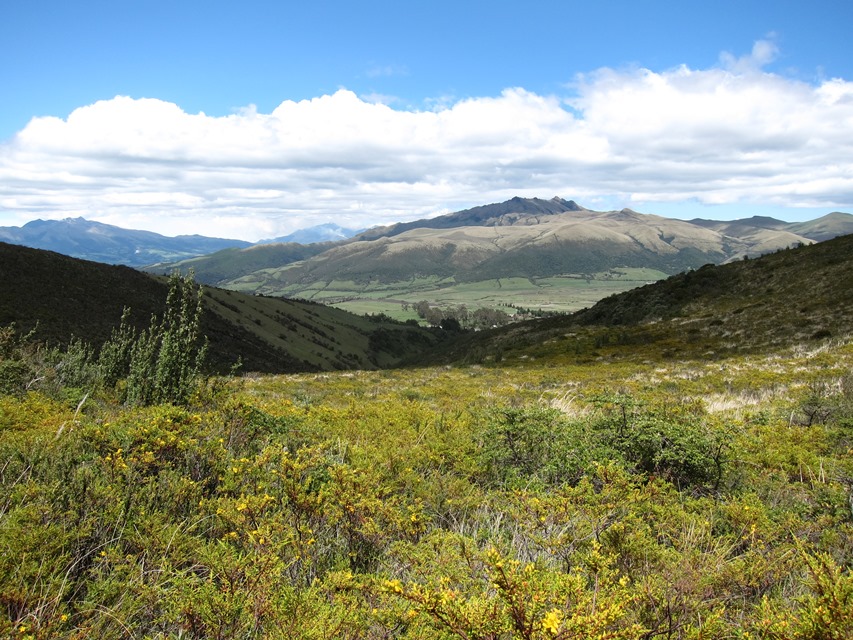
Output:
(570, 205)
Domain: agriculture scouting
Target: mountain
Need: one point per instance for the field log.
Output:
(517, 244)
(531, 238)
(59, 297)
(758, 234)
(514, 211)
(88, 240)
(329, 232)
(829, 226)
(550, 255)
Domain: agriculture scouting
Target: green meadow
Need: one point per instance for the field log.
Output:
(563, 294)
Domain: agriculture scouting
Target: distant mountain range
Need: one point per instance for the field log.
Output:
(520, 238)
(329, 232)
(88, 240)
(779, 299)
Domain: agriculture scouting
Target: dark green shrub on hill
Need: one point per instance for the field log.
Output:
(15, 371)
(673, 442)
(536, 445)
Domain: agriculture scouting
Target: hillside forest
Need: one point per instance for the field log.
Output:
(666, 466)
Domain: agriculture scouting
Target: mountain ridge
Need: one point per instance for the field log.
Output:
(530, 237)
(109, 244)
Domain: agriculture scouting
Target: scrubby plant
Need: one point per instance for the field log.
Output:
(114, 357)
(538, 499)
(165, 361)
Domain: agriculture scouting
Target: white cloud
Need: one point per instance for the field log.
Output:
(733, 134)
(763, 53)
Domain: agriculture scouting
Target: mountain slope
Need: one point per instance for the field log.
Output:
(576, 242)
(798, 291)
(61, 297)
(519, 238)
(776, 301)
(525, 238)
(106, 243)
(228, 264)
(829, 226)
(531, 210)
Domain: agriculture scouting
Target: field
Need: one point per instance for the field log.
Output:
(562, 294)
(600, 491)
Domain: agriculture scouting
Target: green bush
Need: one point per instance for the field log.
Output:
(535, 444)
(165, 361)
(673, 442)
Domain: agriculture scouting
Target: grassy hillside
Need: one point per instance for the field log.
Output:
(63, 297)
(220, 267)
(614, 482)
(790, 296)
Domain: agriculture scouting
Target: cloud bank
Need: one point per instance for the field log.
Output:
(727, 135)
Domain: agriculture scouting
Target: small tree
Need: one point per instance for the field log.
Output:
(165, 361)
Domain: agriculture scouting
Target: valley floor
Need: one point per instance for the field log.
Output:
(558, 294)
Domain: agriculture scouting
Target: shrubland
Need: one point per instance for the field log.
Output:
(627, 481)
(626, 497)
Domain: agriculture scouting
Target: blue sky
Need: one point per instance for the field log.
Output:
(253, 119)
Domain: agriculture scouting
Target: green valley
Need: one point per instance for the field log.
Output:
(559, 294)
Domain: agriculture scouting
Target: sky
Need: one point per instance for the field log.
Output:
(251, 120)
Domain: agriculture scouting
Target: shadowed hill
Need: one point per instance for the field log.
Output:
(806, 286)
(61, 297)
(233, 263)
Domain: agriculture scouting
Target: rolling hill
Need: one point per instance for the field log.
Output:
(61, 297)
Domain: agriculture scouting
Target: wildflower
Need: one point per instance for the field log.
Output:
(394, 585)
(552, 620)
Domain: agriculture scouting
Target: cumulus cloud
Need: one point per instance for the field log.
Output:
(729, 134)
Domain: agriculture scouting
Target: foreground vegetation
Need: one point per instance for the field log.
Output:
(611, 494)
